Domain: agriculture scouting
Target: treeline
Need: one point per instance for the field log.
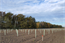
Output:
(11, 21)
(47, 25)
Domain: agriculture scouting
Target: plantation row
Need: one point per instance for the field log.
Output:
(30, 35)
(6, 31)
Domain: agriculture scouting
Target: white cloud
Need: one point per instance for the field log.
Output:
(59, 19)
(43, 7)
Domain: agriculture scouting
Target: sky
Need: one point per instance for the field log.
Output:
(52, 11)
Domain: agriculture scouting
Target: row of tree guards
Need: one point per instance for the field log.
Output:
(48, 30)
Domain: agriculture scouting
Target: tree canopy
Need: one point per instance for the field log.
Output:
(11, 21)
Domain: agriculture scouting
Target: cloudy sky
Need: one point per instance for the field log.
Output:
(52, 11)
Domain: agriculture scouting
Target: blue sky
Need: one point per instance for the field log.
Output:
(52, 11)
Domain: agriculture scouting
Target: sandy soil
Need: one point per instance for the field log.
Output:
(11, 37)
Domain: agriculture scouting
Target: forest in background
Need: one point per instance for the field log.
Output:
(11, 21)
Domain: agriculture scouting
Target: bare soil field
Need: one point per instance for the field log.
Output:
(23, 37)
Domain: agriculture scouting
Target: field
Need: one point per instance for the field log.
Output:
(33, 36)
